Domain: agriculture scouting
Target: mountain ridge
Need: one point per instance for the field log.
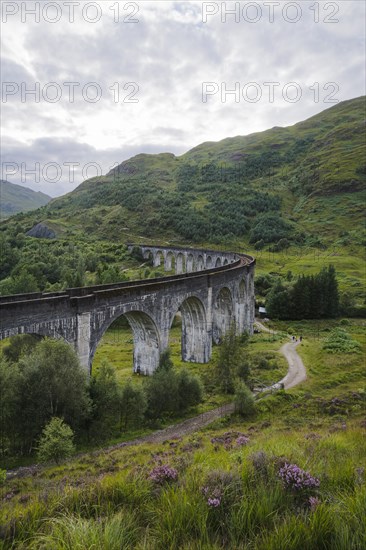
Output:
(16, 198)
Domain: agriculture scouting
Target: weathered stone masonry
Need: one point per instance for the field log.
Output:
(211, 289)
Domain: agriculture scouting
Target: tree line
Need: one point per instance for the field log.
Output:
(309, 297)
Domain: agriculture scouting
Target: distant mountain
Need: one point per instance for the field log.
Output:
(16, 198)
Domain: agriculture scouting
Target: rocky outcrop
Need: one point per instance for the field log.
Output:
(41, 231)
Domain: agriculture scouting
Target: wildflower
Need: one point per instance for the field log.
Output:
(295, 478)
(242, 440)
(163, 473)
(314, 503)
(214, 502)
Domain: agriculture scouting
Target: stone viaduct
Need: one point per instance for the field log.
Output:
(210, 289)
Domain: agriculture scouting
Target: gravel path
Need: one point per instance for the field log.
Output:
(296, 370)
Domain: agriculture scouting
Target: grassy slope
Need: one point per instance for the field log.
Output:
(107, 500)
(16, 198)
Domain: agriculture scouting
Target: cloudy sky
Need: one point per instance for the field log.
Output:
(86, 85)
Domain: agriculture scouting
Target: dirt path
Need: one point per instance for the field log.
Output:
(296, 370)
(296, 374)
(183, 428)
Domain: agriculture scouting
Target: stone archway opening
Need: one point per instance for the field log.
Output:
(159, 259)
(190, 262)
(169, 262)
(200, 265)
(218, 262)
(130, 343)
(180, 264)
(196, 341)
(149, 258)
(223, 314)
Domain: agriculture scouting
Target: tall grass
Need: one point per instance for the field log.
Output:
(119, 532)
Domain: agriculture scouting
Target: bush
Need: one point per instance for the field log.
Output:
(244, 401)
(162, 474)
(297, 479)
(340, 341)
(221, 488)
(169, 392)
(56, 442)
(132, 406)
(189, 390)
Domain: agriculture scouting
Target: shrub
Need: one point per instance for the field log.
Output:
(221, 488)
(169, 392)
(189, 390)
(227, 439)
(244, 401)
(242, 440)
(165, 361)
(56, 442)
(295, 478)
(339, 341)
(132, 404)
(162, 474)
(261, 463)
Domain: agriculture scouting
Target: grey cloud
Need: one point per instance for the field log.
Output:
(169, 53)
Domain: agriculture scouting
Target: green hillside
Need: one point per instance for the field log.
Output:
(314, 167)
(16, 198)
(294, 197)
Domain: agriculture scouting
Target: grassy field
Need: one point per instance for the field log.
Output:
(116, 347)
(111, 501)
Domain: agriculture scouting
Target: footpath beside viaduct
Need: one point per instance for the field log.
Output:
(211, 290)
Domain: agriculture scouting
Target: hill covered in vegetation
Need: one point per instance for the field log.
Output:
(293, 196)
(16, 198)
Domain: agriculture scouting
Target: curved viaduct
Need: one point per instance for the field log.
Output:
(211, 289)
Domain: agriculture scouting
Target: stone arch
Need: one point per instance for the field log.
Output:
(146, 340)
(208, 262)
(218, 262)
(200, 265)
(179, 264)
(149, 256)
(223, 314)
(226, 261)
(169, 263)
(158, 258)
(196, 343)
(190, 261)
